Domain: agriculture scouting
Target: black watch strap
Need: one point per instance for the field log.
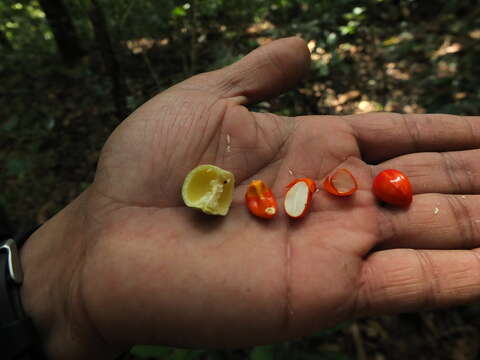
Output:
(18, 337)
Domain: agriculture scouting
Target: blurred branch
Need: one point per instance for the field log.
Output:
(62, 27)
(6, 229)
(193, 37)
(126, 13)
(112, 65)
(5, 43)
(358, 341)
(151, 69)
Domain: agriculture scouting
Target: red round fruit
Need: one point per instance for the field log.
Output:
(393, 187)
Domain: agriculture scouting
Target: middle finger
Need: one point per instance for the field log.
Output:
(456, 172)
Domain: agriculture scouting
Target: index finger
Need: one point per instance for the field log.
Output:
(382, 136)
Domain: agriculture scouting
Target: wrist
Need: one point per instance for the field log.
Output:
(52, 261)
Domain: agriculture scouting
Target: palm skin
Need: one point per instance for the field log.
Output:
(150, 270)
(236, 280)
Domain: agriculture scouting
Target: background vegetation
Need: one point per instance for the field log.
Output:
(71, 70)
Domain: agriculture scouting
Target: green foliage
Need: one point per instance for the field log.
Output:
(18, 166)
(24, 24)
(263, 353)
(179, 11)
(305, 349)
(145, 351)
(165, 353)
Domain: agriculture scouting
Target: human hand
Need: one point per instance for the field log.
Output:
(127, 263)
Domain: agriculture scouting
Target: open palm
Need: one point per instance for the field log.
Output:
(155, 271)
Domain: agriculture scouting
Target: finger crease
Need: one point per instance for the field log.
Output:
(470, 129)
(413, 132)
(276, 63)
(462, 216)
(288, 309)
(429, 277)
(387, 228)
(449, 169)
(476, 255)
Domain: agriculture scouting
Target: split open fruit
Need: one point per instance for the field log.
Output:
(340, 183)
(260, 200)
(298, 197)
(393, 187)
(209, 188)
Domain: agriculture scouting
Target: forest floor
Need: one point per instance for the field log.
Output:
(54, 120)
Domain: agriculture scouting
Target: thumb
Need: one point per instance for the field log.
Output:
(264, 73)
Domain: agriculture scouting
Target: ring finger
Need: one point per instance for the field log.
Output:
(433, 221)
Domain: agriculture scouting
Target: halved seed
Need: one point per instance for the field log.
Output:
(296, 199)
(343, 181)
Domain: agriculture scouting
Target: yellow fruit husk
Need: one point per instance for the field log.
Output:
(209, 188)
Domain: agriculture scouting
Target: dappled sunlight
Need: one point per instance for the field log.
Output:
(264, 40)
(396, 73)
(460, 95)
(398, 39)
(366, 106)
(446, 69)
(258, 31)
(311, 45)
(260, 27)
(137, 46)
(348, 96)
(347, 49)
(475, 34)
(413, 109)
(321, 55)
(447, 48)
(318, 53)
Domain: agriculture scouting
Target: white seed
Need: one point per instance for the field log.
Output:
(296, 199)
(343, 182)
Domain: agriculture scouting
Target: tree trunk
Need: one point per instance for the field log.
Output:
(5, 43)
(112, 65)
(6, 230)
(62, 27)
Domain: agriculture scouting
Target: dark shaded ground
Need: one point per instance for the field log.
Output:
(451, 334)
